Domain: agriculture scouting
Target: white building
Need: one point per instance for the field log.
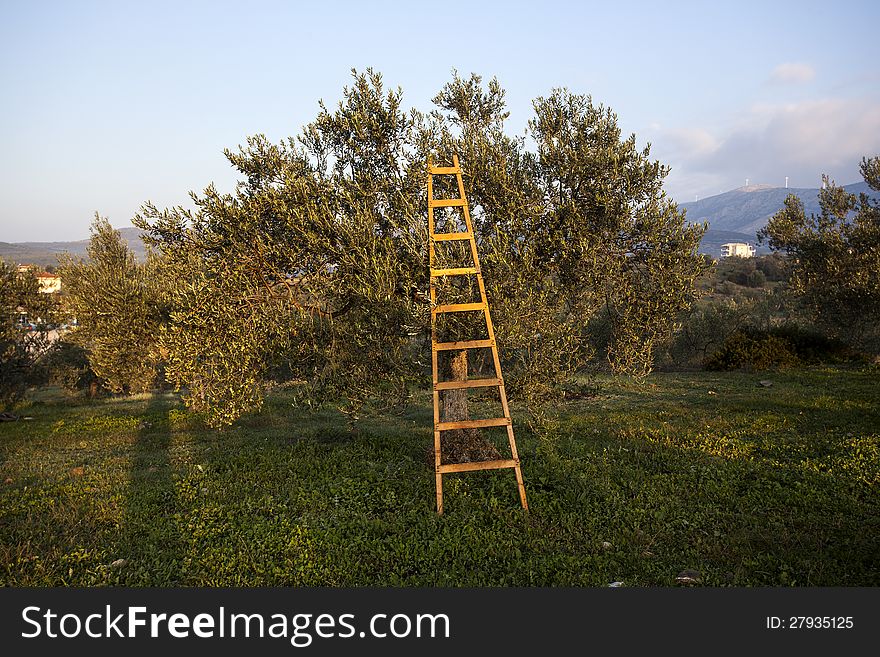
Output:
(740, 249)
(49, 283)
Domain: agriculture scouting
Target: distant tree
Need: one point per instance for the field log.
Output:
(835, 257)
(773, 266)
(756, 278)
(22, 344)
(115, 300)
(707, 325)
(319, 258)
(740, 271)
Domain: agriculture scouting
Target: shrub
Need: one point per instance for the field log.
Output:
(779, 346)
(742, 271)
(756, 279)
(750, 348)
(68, 366)
(773, 266)
(706, 328)
(811, 345)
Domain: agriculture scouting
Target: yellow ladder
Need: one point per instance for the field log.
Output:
(439, 468)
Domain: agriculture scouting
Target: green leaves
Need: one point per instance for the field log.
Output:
(116, 301)
(314, 270)
(22, 346)
(835, 258)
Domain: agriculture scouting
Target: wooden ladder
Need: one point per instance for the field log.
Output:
(439, 468)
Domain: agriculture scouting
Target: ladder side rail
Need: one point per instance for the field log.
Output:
(489, 327)
(438, 475)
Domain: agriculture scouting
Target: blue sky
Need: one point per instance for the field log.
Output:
(106, 105)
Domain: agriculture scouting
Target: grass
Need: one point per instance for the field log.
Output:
(710, 472)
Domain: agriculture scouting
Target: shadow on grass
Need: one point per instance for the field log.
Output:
(150, 539)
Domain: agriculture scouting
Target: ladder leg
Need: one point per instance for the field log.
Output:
(518, 470)
(439, 482)
(438, 476)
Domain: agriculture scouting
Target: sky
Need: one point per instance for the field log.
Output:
(107, 105)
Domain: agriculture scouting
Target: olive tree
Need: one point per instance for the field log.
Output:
(115, 300)
(317, 261)
(22, 346)
(834, 257)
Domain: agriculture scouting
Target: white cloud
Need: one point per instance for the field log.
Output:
(798, 140)
(792, 73)
(811, 136)
(689, 142)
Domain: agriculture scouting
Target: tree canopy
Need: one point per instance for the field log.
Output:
(835, 257)
(115, 300)
(316, 264)
(22, 345)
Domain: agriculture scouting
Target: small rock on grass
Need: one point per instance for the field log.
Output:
(765, 383)
(119, 563)
(688, 577)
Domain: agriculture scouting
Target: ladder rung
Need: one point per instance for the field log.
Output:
(442, 170)
(459, 271)
(445, 202)
(463, 344)
(445, 237)
(458, 307)
(470, 383)
(473, 424)
(477, 465)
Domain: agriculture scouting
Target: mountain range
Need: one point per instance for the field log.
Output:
(46, 254)
(734, 216)
(737, 215)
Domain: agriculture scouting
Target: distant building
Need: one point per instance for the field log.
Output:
(49, 283)
(739, 249)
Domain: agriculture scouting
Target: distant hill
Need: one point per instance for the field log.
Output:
(45, 254)
(737, 215)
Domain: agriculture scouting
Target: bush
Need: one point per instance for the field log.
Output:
(750, 272)
(756, 279)
(811, 345)
(780, 346)
(773, 266)
(68, 366)
(753, 349)
(741, 271)
(706, 328)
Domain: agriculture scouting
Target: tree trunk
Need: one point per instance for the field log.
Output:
(461, 445)
(455, 406)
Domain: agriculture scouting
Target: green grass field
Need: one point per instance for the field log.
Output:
(709, 472)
